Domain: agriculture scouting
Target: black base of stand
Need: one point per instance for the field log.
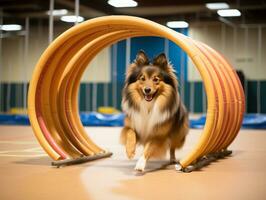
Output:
(80, 160)
(204, 161)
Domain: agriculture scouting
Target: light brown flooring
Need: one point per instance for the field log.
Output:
(25, 171)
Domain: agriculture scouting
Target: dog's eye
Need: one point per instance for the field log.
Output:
(142, 78)
(156, 80)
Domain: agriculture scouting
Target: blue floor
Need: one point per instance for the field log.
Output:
(251, 121)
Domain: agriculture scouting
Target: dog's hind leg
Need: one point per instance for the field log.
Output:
(172, 156)
(128, 138)
(176, 143)
(177, 140)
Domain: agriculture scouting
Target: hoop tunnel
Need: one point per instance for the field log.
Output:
(53, 91)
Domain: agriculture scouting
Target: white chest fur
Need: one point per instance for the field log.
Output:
(145, 120)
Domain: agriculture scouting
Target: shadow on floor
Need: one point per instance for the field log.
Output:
(44, 161)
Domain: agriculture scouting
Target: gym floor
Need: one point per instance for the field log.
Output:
(25, 171)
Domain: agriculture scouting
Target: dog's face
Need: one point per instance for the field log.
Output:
(147, 80)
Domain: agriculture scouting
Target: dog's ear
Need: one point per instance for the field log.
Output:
(141, 59)
(160, 61)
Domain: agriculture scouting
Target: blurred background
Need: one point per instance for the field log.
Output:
(235, 28)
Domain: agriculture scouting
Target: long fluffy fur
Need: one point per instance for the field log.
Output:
(159, 124)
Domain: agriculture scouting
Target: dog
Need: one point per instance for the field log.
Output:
(155, 117)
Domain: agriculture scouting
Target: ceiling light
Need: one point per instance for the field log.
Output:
(229, 13)
(10, 27)
(59, 12)
(177, 24)
(217, 6)
(122, 3)
(72, 18)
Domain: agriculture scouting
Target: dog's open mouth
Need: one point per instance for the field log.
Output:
(149, 97)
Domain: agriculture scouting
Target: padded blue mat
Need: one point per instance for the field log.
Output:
(251, 121)
(7, 119)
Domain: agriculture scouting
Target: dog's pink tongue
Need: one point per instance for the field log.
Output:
(148, 97)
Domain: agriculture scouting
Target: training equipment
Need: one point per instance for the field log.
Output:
(53, 102)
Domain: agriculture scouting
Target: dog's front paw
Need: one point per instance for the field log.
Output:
(141, 164)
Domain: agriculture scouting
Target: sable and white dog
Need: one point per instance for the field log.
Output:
(155, 116)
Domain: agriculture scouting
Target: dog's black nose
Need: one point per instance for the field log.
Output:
(147, 90)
